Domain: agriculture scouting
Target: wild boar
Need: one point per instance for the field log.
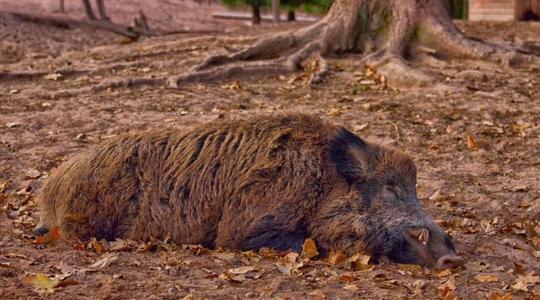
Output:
(269, 181)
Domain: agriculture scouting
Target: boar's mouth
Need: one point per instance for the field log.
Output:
(418, 247)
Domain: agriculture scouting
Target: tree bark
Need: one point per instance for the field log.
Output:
(275, 10)
(255, 14)
(291, 16)
(101, 10)
(383, 31)
(88, 10)
(62, 6)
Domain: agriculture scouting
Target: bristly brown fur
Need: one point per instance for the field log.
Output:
(263, 182)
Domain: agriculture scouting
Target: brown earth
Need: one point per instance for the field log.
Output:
(477, 148)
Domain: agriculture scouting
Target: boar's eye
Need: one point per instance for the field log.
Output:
(393, 189)
(391, 192)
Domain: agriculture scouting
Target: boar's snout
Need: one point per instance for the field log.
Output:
(428, 246)
(449, 261)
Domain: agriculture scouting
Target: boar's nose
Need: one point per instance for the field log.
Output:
(40, 231)
(449, 261)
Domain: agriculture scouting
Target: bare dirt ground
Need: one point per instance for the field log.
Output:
(477, 149)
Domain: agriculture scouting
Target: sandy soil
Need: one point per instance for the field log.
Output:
(477, 149)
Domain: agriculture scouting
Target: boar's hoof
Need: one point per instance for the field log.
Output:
(449, 261)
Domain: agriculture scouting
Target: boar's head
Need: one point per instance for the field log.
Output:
(394, 223)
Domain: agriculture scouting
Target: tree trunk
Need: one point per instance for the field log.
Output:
(449, 4)
(256, 14)
(101, 10)
(385, 32)
(62, 6)
(88, 10)
(291, 16)
(275, 10)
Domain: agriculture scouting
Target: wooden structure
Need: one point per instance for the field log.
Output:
(503, 10)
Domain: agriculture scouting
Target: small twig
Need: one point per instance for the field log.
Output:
(426, 49)
(398, 133)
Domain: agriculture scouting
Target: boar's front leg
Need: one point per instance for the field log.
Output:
(339, 225)
(278, 230)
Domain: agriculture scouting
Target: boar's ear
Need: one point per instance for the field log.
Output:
(350, 155)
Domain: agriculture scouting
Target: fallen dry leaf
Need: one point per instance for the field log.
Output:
(318, 294)
(67, 282)
(497, 296)
(351, 287)
(13, 124)
(448, 294)
(233, 86)
(336, 257)
(291, 257)
(66, 269)
(335, 112)
(3, 186)
(53, 76)
(309, 249)
(300, 77)
(284, 269)
(269, 253)
(104, 262)
(360, 262)
(418, 284)
(450, 284)
(49, 238)
(225, 256)
(32, 174)
(486, 278)
(360, 127)
(471, 143)
(444, 273)
(524, 281)
(448, 289)
(121, 245)
(42, 283)
(94, 244)
(242, 270)
(347, 277)
(232, 277)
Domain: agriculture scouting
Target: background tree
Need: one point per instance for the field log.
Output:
(385, 32)
(317, 7)
(290, 6)
(62, 6)
(90, 12)
(456, 8)
(255, 7)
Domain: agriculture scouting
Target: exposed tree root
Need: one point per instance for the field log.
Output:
(66, 72)
(383, 30)
(7, 75)
(454, 42)
(110, 84)
(245, 70)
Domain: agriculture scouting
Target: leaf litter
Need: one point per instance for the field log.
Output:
(494, 174)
